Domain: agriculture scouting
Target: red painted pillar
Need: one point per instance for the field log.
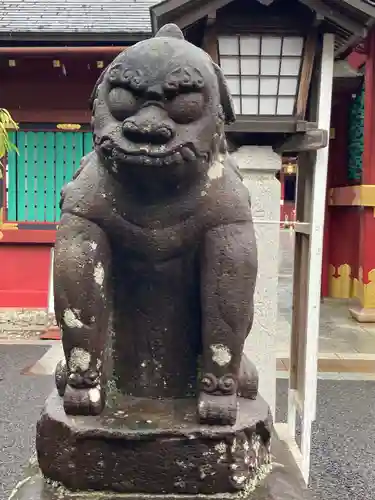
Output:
(365, 288)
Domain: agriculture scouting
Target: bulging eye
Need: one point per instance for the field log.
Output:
(122, 103)
(186, 108)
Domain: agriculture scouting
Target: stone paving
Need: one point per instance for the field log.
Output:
(340, 336)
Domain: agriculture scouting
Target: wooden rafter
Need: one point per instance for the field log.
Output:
(364, 6)
(336, 17)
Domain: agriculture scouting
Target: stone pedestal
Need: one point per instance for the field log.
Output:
(283, 482)
(153, 447)
(258, 165)
(362, 314)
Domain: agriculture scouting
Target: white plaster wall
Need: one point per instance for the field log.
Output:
(258, 165)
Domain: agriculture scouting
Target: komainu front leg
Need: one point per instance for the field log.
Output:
(228, 275)
(81, 278)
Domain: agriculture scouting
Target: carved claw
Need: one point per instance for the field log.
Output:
(248, 379)
(61, 377)
(88, 401)
(217, 410)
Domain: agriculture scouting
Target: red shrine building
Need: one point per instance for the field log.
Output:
(51, 55)
(349, 239)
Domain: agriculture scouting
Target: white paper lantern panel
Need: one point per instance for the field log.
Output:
(285, 106)
(288, 86)
(249, 65)
(267, 105)
(271, 46)
(249, 105)
(228, 46)
(269, 66)
(249, 85)
(234, 85)
(268, 86)
(237, 104)
(292, 46)
(230, 65)
(250, 45)
(290, 66)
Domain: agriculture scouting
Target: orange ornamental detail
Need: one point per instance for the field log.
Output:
(68, 126)
(343, 286)
(356, 196)
(365, 292)
(5, 226)
(340, 285)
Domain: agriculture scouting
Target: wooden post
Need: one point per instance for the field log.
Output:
(310, 208)
(51, 332)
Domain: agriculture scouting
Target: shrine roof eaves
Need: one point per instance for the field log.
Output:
(348, 19)
(75, 16)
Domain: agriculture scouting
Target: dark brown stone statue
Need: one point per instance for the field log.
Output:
(156, 229)
(155, 269)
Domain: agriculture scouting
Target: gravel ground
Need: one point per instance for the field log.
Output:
(22, 398)
(343, 444)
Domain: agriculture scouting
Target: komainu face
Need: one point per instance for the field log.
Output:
(157, 107)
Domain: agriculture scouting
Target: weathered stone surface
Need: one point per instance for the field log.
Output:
(258, 166)
(283, 482)
(157, 446)
(155, 256)
(154, 275)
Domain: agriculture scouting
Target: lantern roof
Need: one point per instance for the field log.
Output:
(349, 20)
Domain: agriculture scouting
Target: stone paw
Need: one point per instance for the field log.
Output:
(217, 410)
(88, 401)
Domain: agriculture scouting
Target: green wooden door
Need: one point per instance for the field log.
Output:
(46, 161)
(355, 136)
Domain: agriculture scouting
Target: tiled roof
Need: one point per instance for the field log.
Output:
(72, 16)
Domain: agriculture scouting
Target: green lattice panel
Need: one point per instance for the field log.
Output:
(355, 135)
(46, 161)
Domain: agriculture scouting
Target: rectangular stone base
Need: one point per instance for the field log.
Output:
(283, 482)
(362, 315)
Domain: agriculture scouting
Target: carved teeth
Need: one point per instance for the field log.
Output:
(177, 158)
(188, 154)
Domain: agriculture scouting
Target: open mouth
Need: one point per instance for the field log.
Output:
(147, 156)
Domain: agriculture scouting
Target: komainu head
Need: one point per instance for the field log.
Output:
(161, 105)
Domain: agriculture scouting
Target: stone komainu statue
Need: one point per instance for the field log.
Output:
(155, 260)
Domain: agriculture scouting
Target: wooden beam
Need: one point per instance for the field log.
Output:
(336, 16)
(362, 6)
(195, 14)
(96, 50)
(272, 125)
(344, 49)
(302, 227)
(307, 141)
(306, 73)
(210, 40)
